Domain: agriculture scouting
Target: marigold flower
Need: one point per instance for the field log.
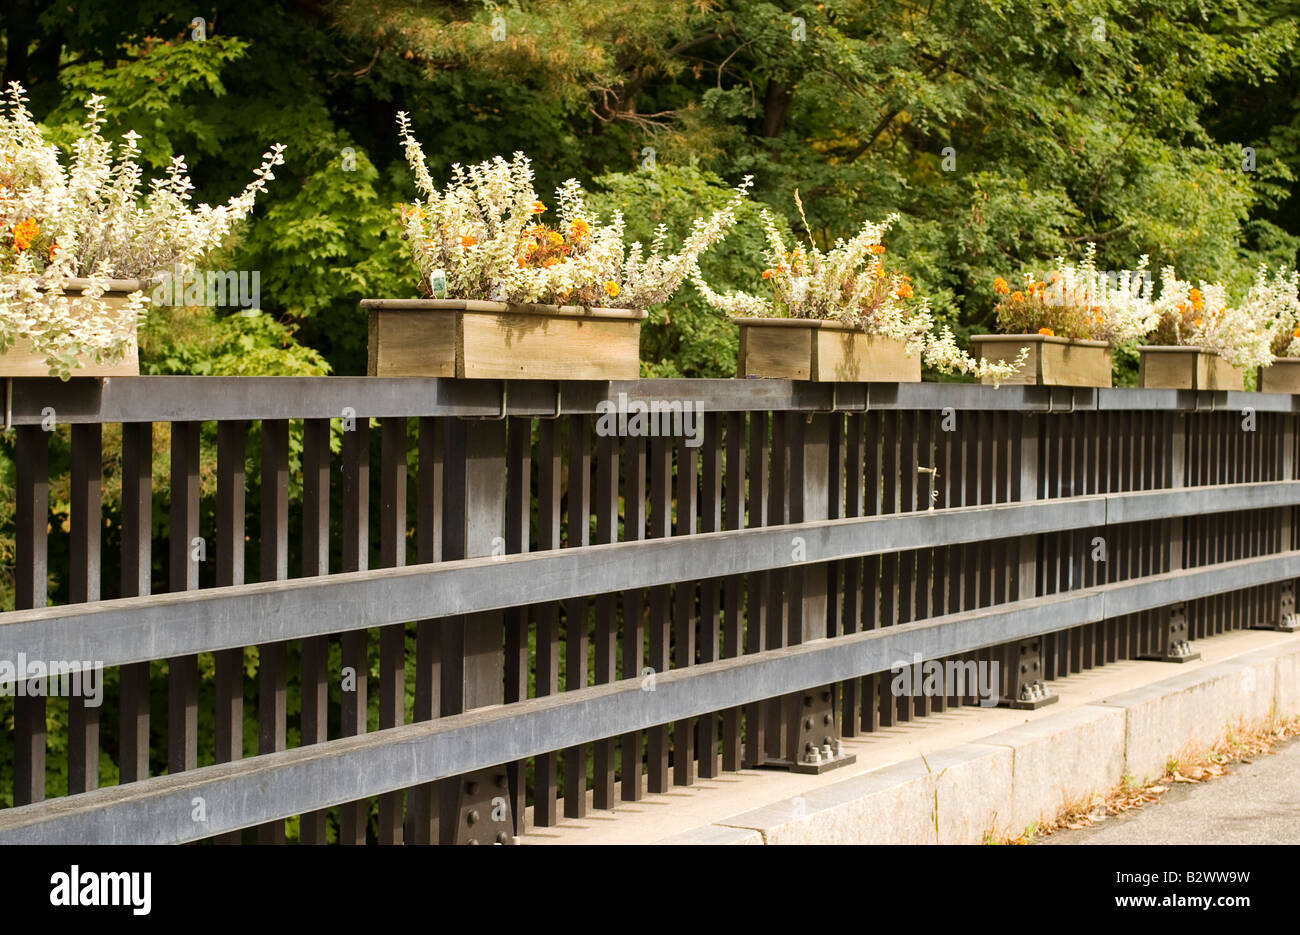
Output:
(904, 291)
(767, 274)
(877, 248)
(24, 233)
(1047, 332)
(1000, 286)
(611, 289)
(579, 229)
(468, 241)
(1017, 296)
(538, 207)
(1198, 302)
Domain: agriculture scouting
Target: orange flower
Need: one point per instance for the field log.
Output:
(579, 229)
(904, 291)
(538, 207)
(1000, 286)
(1017, 296)
(767, 274)
(1047, 332)
(468, 241)
(1196, 323)
(611, 289)
(877, 248)
(1197, 301)
(24, 233)
(1296, 333)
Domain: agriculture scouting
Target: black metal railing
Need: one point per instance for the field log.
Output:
(472, 596)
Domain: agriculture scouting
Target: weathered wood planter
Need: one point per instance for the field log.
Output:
(493, 340)
(1186, 368)
(1282, 377)
(801, 349)
(1052, 361)
(21, 361)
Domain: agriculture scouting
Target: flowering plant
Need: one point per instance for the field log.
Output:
(88, 220)
(1246, 335)
(1079, 303)
(482, 237)
(851, 283)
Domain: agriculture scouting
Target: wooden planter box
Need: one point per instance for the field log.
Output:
(21, 361)
(493, 340)
(800, 349)
(1282, 377)
(1186, 368)
(1052, 361)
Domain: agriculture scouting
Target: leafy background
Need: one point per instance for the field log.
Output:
(1122, 123)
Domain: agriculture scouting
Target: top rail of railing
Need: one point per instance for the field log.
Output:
(183, 398)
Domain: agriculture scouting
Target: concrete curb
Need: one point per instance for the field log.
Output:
(1011, 779)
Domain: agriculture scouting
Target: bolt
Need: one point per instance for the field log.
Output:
(827, 752)
(501, 781)
(503, 838)
(472, 817)
(827, 719)
(471, 788)
(807, 723)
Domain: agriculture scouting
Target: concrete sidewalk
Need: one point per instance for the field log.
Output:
(971, 772)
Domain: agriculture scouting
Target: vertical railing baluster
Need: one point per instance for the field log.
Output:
(183, 575)
(603, 794)
(31, 567)
(634, 529)
(86, 521)
(354, 817)
(706, 743)
(272, 669)
(519, 517)
(548, 614)
(315, 561)
(756, 609)
(661, 494)
(137, 567)
(392, 639)
(684, 609)
(578, 504)
(733, 621)
(228, 664)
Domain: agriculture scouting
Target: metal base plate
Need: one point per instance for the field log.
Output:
(1018, 705)
(1281, 626)
(815, 769)
(1185, 657)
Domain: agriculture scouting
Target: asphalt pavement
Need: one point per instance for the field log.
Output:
(1256, 802)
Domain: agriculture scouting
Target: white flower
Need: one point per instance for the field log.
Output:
(849, 284)
(93, 223)
(486, 231)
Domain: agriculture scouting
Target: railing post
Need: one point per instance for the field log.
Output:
(1021, 680)
(476, 807)
(1170, 642)
(1285, 617)
(812, 729)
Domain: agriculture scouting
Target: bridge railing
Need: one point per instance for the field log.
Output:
(439, 610)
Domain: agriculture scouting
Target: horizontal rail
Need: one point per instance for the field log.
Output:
(138, 629)
(278, 785)
(182, 399)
